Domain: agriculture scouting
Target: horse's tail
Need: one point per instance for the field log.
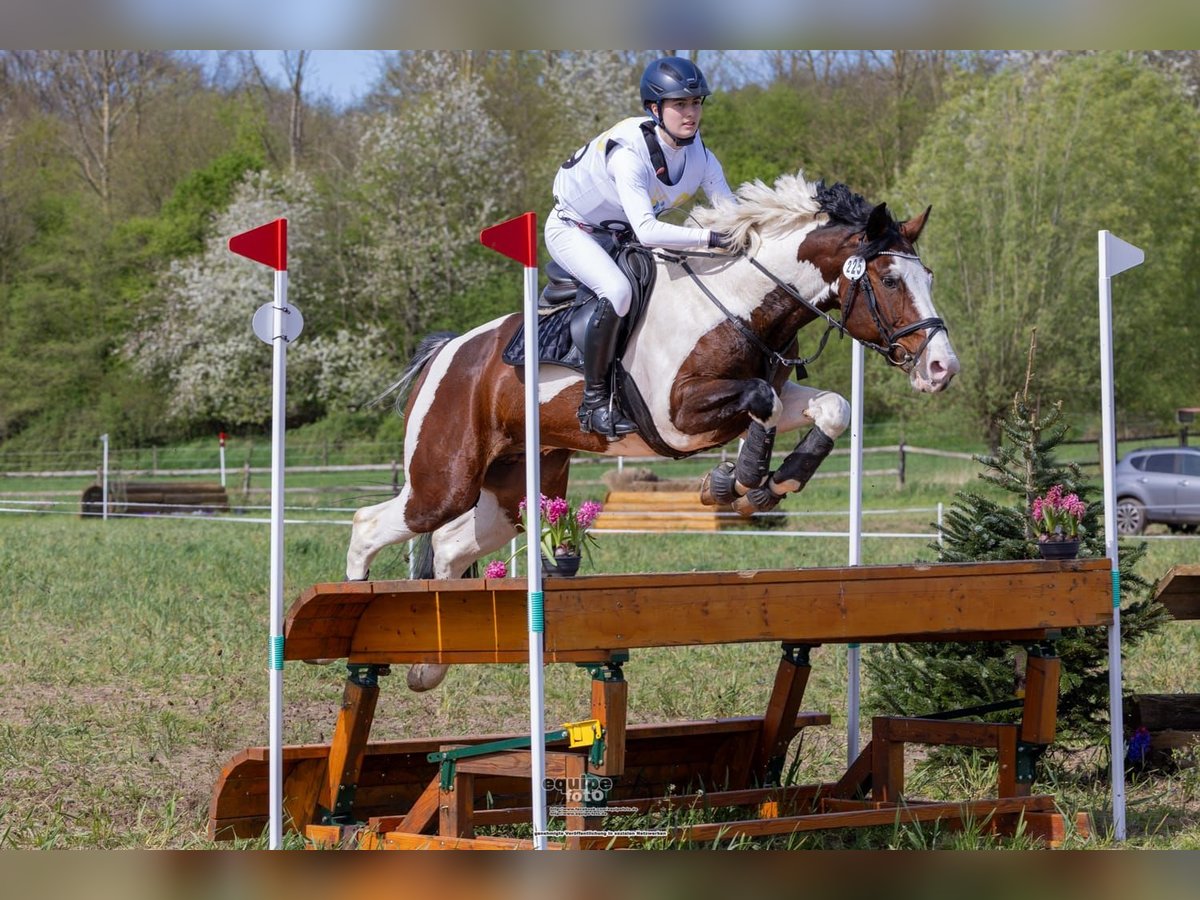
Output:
(422, 557)
(426, 350)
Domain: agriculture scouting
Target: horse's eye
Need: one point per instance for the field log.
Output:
(891, 282)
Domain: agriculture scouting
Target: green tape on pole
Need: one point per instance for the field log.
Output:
(277, 652)
(537, 620)
(1116, 575)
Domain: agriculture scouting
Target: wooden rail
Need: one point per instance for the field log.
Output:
(478, 621)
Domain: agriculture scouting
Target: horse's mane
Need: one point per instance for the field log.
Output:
(787, 206)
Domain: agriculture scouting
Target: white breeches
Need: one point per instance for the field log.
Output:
(577, 252)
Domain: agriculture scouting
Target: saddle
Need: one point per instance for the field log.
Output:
(565, 307)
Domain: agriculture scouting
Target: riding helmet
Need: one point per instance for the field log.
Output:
(671, 77)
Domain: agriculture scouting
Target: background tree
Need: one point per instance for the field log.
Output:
(910, 679)
(1022, 172)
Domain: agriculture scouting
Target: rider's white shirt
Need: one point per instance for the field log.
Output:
(611, 179)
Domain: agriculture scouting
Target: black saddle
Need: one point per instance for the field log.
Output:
(565, 307)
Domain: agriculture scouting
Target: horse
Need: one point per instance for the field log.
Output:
(710, 360)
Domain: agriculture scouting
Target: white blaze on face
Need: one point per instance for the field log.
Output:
(938, 363)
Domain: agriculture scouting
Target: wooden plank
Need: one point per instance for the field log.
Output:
(477, 621)
(888, 815)
(301, 792)
(610, 701)
(456, 807)
(1179, 591)
(424, 811)
(349, 744)
(1039, 717)
(1162, 712)
(936, 731)
(778, 723)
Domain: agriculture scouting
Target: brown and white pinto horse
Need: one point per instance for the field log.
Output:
(706, 374)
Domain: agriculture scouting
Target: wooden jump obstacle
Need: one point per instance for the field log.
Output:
(146, 498)
(1173, 720)
(664, 511)
(353, 792)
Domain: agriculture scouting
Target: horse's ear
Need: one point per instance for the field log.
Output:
(913, 227)
(878, 222)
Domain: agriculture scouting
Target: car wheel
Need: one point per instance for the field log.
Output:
(1131, 516)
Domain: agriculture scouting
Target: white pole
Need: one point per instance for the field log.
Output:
(104, 480)
(853, 651)
(278, 425)
(1115, 257)
(533, 562)
(221, 442)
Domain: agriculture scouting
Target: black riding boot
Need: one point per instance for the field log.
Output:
(599, 413)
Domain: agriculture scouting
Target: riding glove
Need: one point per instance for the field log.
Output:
(720, 240)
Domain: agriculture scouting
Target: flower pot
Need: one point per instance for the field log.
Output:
(1059, 549)
(562, 566)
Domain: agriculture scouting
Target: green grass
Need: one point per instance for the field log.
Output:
(133, 666)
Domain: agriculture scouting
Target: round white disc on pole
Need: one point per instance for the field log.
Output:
(264, 323)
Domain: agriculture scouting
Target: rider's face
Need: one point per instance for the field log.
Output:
(682, 115)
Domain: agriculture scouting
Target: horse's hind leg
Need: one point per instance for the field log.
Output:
(374, 528)
(485, 529)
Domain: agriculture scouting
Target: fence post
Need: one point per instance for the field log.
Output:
(1183, 436)
(246, 484)
(900, 466)
(395, 478)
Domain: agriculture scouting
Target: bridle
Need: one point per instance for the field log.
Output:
(855, 271)
(891, 337)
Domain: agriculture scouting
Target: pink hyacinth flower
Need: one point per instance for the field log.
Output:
(588, 510)
(556, 509)
(496, 569)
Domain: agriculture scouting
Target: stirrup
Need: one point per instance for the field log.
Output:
(612, 424)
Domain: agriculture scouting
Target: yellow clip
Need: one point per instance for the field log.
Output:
(583, 734)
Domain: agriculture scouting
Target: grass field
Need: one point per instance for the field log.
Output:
(134, 666)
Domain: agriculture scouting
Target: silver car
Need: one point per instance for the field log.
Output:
(1158, 484)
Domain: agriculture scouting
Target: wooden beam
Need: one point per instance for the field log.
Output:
(887, 815)
(1040, 714)
(1179, 591)
(587, 617)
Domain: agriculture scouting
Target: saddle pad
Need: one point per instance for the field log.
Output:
(554, 341)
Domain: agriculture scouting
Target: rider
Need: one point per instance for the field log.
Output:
(624, 179)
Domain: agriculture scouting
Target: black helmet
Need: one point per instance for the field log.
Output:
(671, 77)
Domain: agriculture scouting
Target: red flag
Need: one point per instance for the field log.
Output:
(266, 244)
(516, 239)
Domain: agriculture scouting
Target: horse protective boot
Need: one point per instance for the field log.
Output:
(599, 413)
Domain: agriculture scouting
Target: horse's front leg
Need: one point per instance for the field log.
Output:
(829, 415)
(729, 481)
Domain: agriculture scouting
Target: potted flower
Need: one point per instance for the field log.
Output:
(565, 533)
(1057, 518)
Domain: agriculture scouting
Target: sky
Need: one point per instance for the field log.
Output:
(343, 75)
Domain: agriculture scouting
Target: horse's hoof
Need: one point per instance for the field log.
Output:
(718, 486)
(426, 676)
(758, 500)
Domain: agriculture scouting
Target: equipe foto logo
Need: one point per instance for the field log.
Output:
(588, 789)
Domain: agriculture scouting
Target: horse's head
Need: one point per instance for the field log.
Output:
(886, 298)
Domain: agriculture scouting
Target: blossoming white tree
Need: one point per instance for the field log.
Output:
(199, 341)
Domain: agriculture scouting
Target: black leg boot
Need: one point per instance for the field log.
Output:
(598, 413)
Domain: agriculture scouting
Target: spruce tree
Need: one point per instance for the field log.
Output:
(911, 679)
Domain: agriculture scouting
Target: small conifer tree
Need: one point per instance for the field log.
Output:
(911, 679)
